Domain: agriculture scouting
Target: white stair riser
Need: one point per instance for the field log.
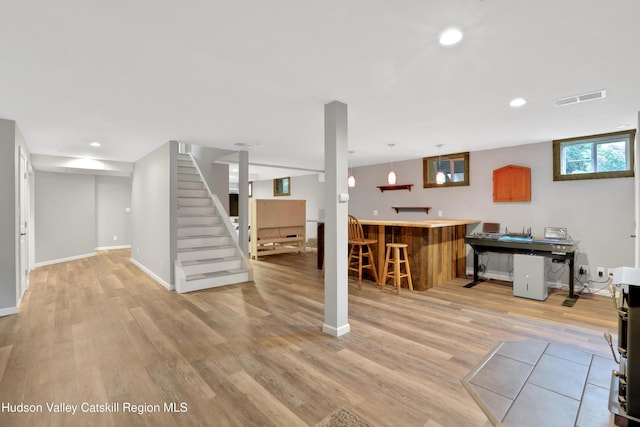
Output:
(212, 282)
(199, 220)
(193, 201)
(185, 163)
(187, 170)
(212, 267)
(185, 192)
(203, 241)
(188, 177)
(190, 185)
(201, 231)
(207, 254)
(197, 210)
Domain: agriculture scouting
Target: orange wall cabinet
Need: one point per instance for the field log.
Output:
(512, 184)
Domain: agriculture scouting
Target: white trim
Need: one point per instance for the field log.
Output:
(153, 275)
(336, 332)
(57, 261)
(110, 248)
(8, 311)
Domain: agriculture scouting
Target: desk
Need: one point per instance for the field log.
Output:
(563, 250)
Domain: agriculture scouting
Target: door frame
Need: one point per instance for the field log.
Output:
(24, 205)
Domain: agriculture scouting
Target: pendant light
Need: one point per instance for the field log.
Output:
(440, 178)
(351, 180)
(391, 176)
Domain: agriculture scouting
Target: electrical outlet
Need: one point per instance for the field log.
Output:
(600, 271)
(375, 212)
(583, 269)
(439, 213)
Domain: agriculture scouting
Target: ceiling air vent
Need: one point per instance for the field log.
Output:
(581, 98)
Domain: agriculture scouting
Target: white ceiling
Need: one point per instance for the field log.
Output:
(136, 74)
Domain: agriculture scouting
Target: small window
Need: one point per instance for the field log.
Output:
(282, 186)
(446, 170)
(607, 155)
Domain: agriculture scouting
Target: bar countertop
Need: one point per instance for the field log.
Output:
(433, 223)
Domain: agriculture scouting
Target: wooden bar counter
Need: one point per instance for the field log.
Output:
(437, 250)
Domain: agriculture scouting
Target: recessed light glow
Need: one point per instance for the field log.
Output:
(450, 37)
(95, 144)
(517, 102)
(623, 126)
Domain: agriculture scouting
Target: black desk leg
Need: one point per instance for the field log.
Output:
(476, 279)
(572, 298)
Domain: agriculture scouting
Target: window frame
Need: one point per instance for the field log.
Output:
(430, 165)
(594, 140)
(279, 186)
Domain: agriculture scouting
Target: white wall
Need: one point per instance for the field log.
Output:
(599, 213)
(216, 175)
(305, 187)
(219, 175)
(113, 198)
(65, 216)
(151, 215)
(78, 213)
(8, 226)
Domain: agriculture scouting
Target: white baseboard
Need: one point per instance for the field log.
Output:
(8, 311)
(57, 261)
(153, 275)
(110, 248)
(336, 332)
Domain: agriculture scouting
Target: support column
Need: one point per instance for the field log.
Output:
(243, 202)
(636, 190)
(336, 292)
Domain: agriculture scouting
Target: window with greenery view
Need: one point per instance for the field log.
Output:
(598, 156)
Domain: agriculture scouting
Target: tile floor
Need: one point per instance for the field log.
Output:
(523, 384)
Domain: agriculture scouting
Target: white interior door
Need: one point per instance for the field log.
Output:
(23, 217)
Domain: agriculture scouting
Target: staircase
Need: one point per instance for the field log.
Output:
(208, 252)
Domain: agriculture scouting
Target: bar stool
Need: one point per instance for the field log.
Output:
(357, 253)
(397, 261)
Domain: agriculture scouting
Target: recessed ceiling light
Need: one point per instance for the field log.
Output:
(450, 37)
(95, 144)
(517, 102)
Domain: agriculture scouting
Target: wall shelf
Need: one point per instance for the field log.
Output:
(411, 208)
(384, 188)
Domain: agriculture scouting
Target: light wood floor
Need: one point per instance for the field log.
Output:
(99, 331)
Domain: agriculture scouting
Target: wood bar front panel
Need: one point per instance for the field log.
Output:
(437, 254)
